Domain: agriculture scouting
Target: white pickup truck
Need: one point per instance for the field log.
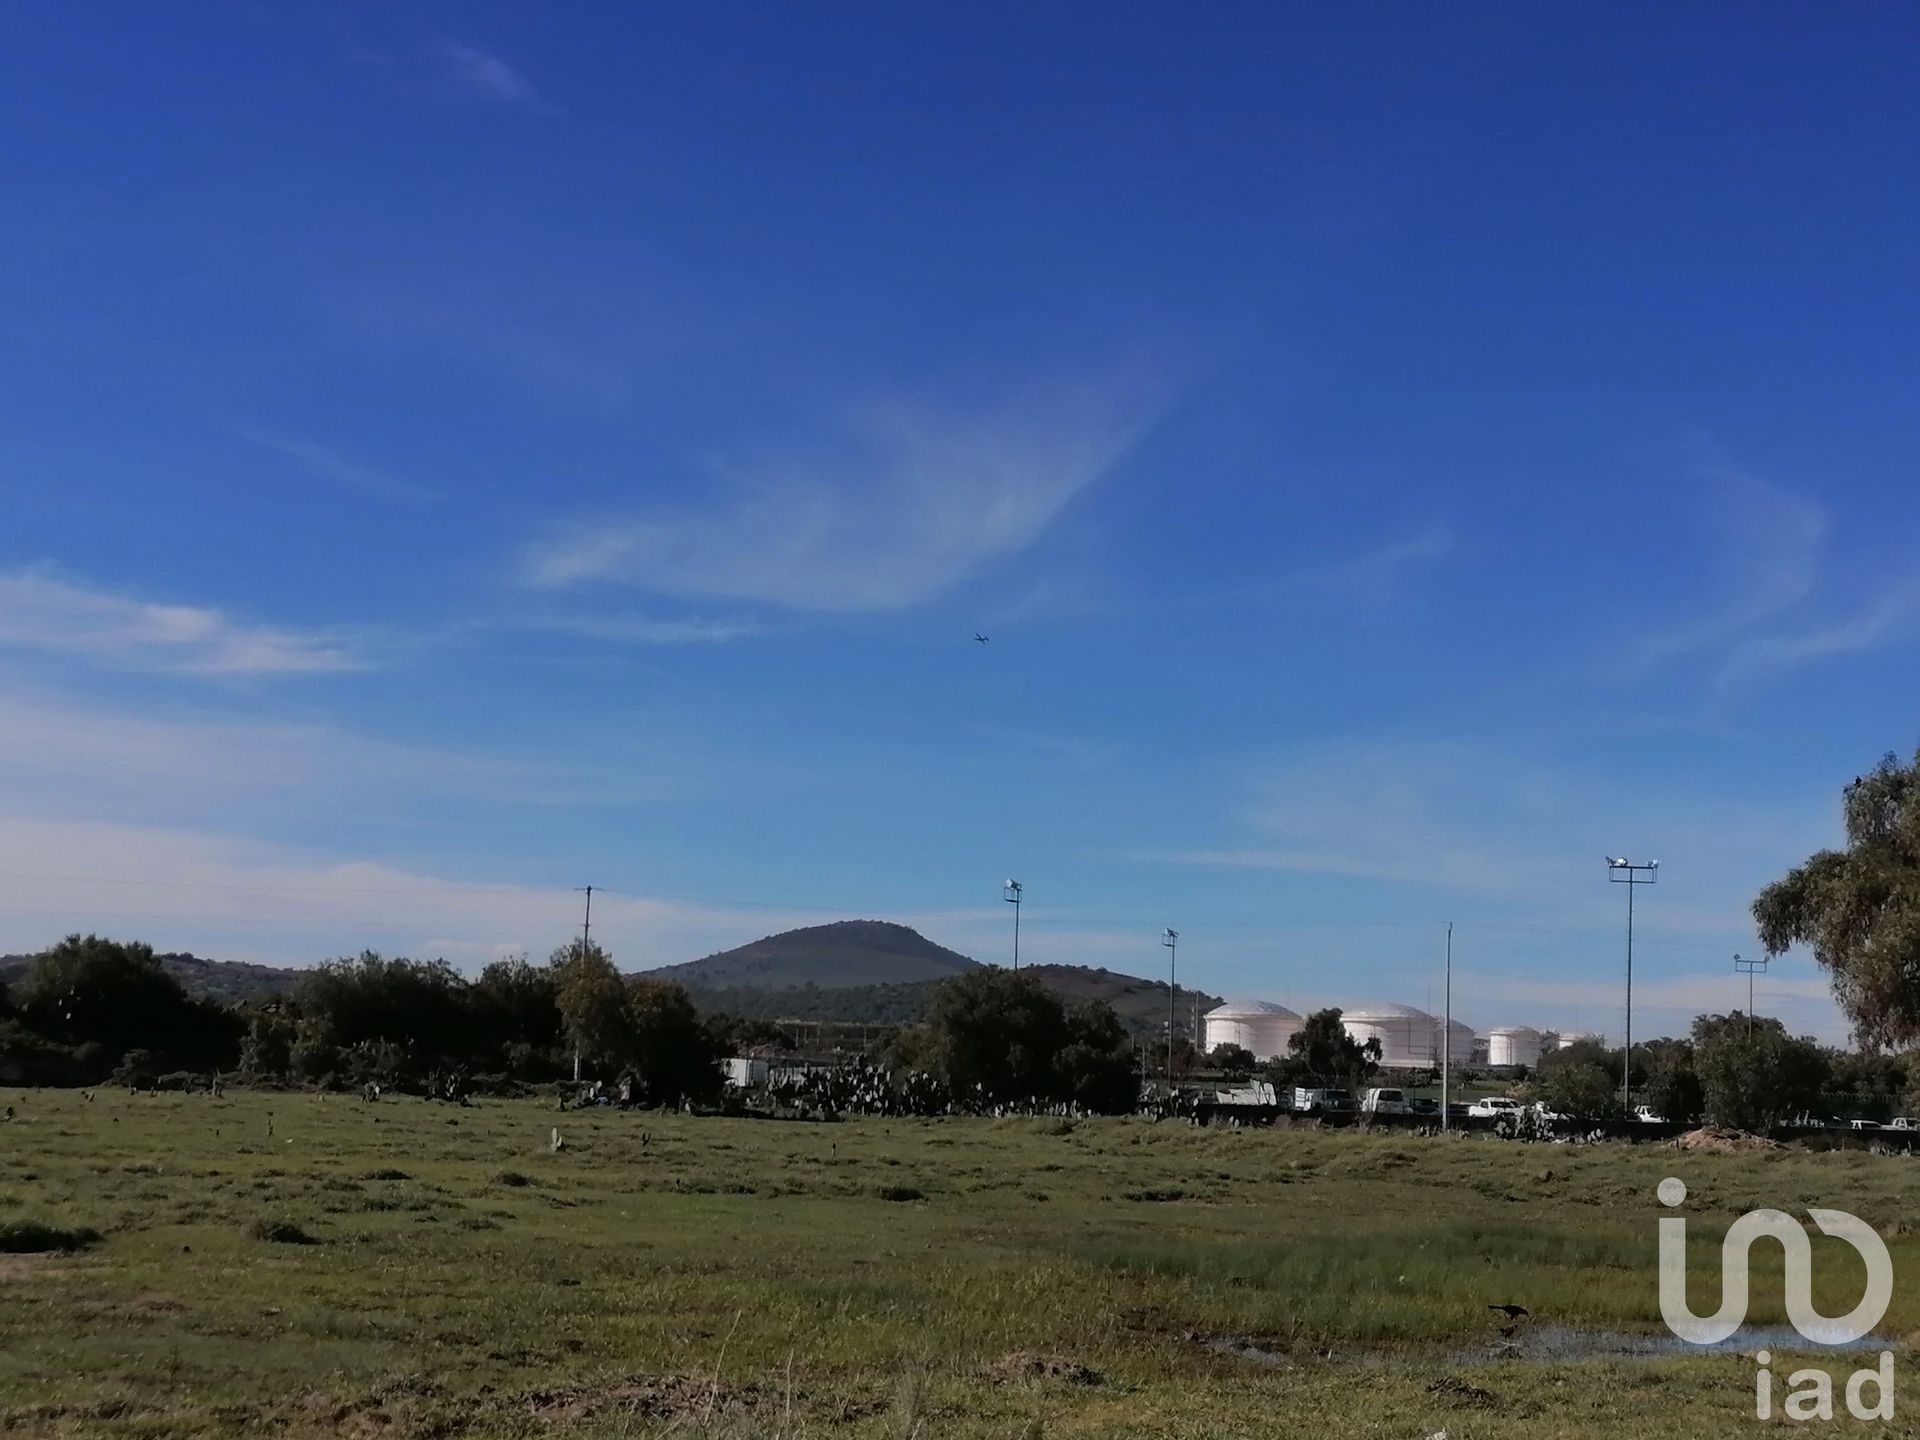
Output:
(1491, 1106)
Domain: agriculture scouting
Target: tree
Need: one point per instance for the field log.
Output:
(1673, 1089)
(267, 1049)
(1095, 1068)
(516, 1017)
(1321, 1052)
(993, 1034)
(89, 990)
(1580, 1092)
(592, 1001)
(1858, 909)
(1754, 1077)
(419, 1007)
(667, 1046)
(1236, 1062)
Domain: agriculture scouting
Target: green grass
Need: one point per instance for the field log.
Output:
(876, 1278)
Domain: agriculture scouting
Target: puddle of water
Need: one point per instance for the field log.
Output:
(1246, 1350)
(1564, 1342)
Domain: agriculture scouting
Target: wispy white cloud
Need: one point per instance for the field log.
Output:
(1767, 545)
(125, 759)
(482, 75)
(1374, 573)
(1476, 822)
(235, 898)
(631, 629)
(40, 610)
(911, 505)
(1890, 618)
(329, 465)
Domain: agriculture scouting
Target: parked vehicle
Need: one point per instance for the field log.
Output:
(1648, 1115)
(1863, 1125)
(1491, 1106)
(1310, 1101)
(1384, 1101)
(1427, 1109)
(1903, 1122)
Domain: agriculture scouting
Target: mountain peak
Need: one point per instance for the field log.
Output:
(839, 954)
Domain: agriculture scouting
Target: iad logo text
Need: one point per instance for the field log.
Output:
(1810, 1396)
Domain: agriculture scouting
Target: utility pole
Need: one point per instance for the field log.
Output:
(1446, 1034)
(1632, 874)
(1011, 894)
(586, 931)
(1750, 968)
(1172, 941)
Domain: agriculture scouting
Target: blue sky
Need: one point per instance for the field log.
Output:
(453, 454)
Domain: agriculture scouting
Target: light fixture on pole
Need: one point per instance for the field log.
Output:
(1171, 939)
(1750, 968)
(1632, 874)
(1011, 894)
(1446, 1034)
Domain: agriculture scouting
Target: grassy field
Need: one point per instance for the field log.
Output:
(308, 1266)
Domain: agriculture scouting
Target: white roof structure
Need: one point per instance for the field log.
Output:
(1248, 1010)
(1385, 1010)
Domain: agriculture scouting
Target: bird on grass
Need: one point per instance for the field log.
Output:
(1512, 1312)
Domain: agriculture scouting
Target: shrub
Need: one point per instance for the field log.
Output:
(281, 1232)
(30, 1237)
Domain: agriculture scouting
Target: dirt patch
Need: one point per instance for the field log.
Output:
(1457, 1391)
(17, 1267)
(316, 1416)
(1724, 1142)
(678, 1398)
(1019, 1365)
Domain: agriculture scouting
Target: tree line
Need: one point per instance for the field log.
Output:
(92, 1010)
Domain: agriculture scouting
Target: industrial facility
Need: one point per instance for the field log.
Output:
(1513, 1045)
(1410, 1038)
(1256, 1025)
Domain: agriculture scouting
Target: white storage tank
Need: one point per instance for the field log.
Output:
(1460, 1051)
(1584, 1036)
(1407, 1036)
(1513, 1045)
(1256, 1025)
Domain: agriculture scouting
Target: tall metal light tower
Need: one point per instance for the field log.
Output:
(1630, 873)
(1446, 1042)
(1011, 894)
(1750, 968)
(1171, 939)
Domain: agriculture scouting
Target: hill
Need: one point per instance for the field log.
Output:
(1141, 1004)
(223, 981)
(836, 956)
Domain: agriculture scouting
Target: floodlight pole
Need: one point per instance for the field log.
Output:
(1011, 894)
(1171, 939)
(1750, 968)
(1630, 873)
(1446, 1035)
(586, 929)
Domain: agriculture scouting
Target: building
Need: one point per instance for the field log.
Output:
(1256, 1025)
(1513, 1045)
(1408, 1037)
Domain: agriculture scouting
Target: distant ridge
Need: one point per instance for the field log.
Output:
(224, 981)
(842, 954)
